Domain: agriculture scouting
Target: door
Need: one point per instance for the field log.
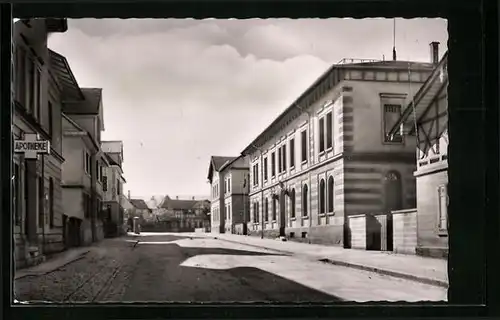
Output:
(393, 201)
(65, 230)
(282, 213)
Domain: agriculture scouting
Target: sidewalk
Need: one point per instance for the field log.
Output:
(420, 269)
(61, 259)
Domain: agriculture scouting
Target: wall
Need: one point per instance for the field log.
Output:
(405, 231)
(430, 241)
(73, 169)
(238, 177)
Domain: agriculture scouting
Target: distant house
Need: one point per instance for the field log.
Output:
(140, 209)
(424, 231)
(183, 215)
(229, 178)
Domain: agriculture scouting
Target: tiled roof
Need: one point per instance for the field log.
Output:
(175, 204)
(88, 106)
(60, 68)
(216, 162)
(139, 204)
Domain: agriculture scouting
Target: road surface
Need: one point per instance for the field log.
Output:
(185, 268)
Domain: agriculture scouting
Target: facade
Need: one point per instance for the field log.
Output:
(38, 92)
(178, 215)
(113, 180)
(235, 195)
(325, 171)
(425, 230)
(140, 210)
(219, 177)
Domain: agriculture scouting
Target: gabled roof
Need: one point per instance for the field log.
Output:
(422, 100)
(90, 104)
(216, 162)
(176, 204)
(139, 204)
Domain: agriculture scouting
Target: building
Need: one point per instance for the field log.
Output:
(87, 113)
(140, 210)
(38, 92)
(231, 202)
(425, 230)
(325, 171)
(113, 180)
(179, 215)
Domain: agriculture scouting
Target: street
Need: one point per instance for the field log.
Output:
(156, 267)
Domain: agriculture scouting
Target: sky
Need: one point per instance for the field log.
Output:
(177, 91)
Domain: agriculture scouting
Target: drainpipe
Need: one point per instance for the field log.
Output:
(311, 162)
(261, 191)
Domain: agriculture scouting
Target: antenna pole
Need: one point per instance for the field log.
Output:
(394, 39)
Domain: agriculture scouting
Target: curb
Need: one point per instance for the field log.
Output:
(37, 274)
(395, 274)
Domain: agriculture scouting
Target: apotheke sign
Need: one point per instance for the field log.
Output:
(31, 146)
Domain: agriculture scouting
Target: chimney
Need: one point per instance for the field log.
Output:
(176, 197)
(434, 46)
(129, 194)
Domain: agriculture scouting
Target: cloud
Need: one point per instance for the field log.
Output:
(178, 91)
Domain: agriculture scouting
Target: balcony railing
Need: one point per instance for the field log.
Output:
(355, 60)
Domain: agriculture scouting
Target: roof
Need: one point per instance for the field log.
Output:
(216, 163)
(422, 100)
(56, 24)
(333, 71)
(175, 204)
(139, 204)
(229, 162)
(69, 86)
(111, 161)
(90, 104)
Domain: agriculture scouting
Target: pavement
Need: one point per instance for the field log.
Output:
(420, 269)
(165, 267)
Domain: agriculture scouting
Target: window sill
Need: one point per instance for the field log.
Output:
(305, 217)
(273, 221)
(322, 215)
(321, 153)
(293, 219)
(442, 233)
(331, 214)
(329, 150)
(303, 162)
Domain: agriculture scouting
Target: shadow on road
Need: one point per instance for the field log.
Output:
(160, 276)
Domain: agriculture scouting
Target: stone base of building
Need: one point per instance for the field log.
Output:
(439, 253)
(326, 235)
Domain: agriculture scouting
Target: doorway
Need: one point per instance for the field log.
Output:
(282, 201)
(393, 191)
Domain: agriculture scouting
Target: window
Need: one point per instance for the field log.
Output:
(21, 76)
(273, 164)
(266, 210)
(265, 169)
(118, 187)
(392, 113)
(51, 202)
(292, 203)
(321, 134)
(38, 97)
(16, 205)
(41, 202)
(331, 194)
(329, 130)
(292, 153)
(31, 87)
(51, 120)
(225, 186)
(280, 159)
(283, 152)
(87, 162)
(322, 193)
(305, 197)
(274, 209)
(229, 212)
(256, 174)
(228, 184)
(257, 212)
(98, 170)
(303, 142)
(443, 208)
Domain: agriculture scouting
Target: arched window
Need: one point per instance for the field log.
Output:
(331, 194)
(393, 191)
(266, 210)
(274, 209)
(322, 196)
(305, 202)
(292, 203)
